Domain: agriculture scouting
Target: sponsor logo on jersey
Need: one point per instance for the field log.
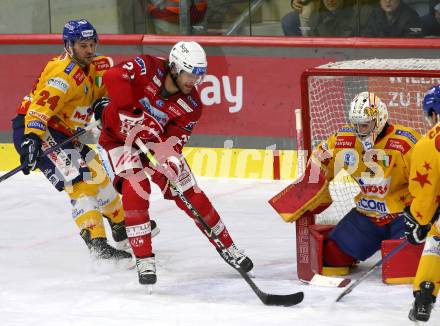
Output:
(350, 158)
(141, 64)
(345, 141)
(102, 64)
(174, 109)
(184, 105)
(77, 212)
(375, 186)
(372, 205)
(38, 115)
(346, 129)
(160, 72)
(161, 117)
(157, 81)
(58, 83)
(36, 124)
(128, 122)
(78, 77)
(190, 125)
(406, 134)
(398, 145)
(70, 67)
(151, 89)
(160, 103)
(193, 101)
(81, 114)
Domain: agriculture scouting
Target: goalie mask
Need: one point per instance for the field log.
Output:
(368, 115)
(431, 105)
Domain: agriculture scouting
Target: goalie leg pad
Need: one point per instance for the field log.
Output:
(334, 256)
(137, 220)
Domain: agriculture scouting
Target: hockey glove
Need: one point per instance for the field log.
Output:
(415, 233)
(30, 151)
(98, 106)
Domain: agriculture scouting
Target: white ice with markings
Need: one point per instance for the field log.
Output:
(47, 277)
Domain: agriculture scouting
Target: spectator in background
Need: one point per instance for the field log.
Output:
(431, 21)
(165, 15)
(296, 23)
(393, 18)
(335, 18)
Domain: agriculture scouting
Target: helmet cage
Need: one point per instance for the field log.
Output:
(365, 108)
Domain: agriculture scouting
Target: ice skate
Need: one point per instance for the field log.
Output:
(147, 272)
(100, 250)
(233, 256)
(423, 303)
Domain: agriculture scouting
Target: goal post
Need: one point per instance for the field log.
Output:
(326, 93)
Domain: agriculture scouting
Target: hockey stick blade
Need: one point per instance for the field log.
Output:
(286, 300)
(322, 280)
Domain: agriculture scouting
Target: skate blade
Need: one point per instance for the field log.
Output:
(149, 289)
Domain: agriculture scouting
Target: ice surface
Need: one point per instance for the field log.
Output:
(47, 277)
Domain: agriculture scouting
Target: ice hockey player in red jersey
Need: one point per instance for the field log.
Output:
(155, 100)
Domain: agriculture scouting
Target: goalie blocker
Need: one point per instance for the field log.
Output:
(310, 195)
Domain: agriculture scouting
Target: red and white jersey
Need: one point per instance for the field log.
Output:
(134, 88)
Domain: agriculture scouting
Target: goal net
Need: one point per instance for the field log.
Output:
(327, 91)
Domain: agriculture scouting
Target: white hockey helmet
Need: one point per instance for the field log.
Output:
(365, 108)
(189, 56)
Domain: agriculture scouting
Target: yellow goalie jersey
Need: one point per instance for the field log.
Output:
(424, 182)
(62, 95)
(381, 172)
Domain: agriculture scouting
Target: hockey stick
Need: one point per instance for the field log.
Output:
(371, 270)
(268, 299)
(52, 149)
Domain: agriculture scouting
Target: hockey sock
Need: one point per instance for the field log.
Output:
(204, 207)
(137, 221)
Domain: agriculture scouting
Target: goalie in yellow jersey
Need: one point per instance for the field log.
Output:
(62, 101)
(377, 155)
(422, 217)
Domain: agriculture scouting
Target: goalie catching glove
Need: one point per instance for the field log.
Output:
(30, 152)
(415, 233)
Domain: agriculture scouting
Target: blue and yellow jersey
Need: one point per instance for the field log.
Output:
(424, 182)
(382, 172)
(62, 95)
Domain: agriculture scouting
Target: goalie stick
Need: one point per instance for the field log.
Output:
(371, 270)
(51, 149)
(268, 299)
